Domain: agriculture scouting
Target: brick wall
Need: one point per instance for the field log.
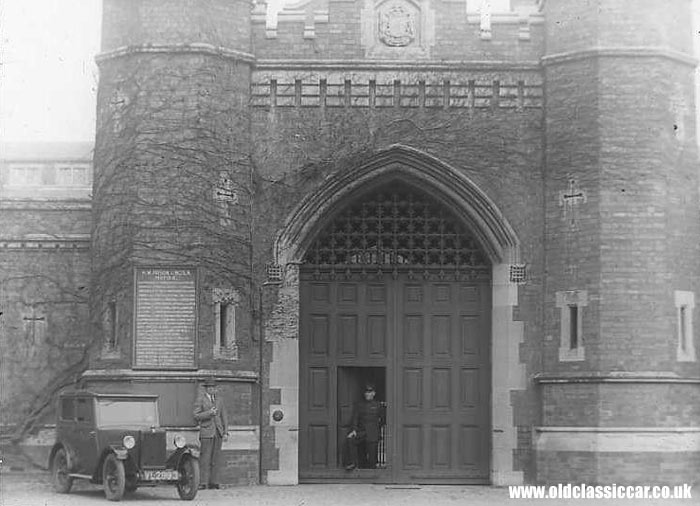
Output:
(608, 468)
(617, 124)
(45, 329)
(219, 23)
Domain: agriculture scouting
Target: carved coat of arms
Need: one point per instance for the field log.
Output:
(397, 26)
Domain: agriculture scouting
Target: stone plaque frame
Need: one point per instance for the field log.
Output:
(382, 36)
(187, 324)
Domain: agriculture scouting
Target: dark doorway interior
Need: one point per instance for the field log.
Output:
(351, 383)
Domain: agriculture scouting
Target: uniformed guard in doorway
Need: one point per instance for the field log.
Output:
(365, 431)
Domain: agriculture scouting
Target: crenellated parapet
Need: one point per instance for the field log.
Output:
(398, 30)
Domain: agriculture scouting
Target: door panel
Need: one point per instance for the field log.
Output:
(319, 445)
(431, 339)
(445, 395)
(338, 341)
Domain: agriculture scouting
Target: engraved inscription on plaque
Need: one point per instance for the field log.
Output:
(165, 318)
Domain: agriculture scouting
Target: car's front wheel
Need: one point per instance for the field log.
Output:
(113, 478)
(132, 484)
(188, 483)
(62, 483)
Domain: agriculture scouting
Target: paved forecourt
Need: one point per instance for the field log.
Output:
(34, 489)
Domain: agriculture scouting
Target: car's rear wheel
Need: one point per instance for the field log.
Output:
(62, 483)
(188, 483)
(113, 478)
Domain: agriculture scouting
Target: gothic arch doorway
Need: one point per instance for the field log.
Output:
(395, 289)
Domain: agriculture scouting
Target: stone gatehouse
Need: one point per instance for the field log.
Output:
(493, 216)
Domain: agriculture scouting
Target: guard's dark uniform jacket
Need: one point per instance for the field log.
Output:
(367, 418)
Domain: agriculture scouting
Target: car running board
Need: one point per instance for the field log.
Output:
(77, 475)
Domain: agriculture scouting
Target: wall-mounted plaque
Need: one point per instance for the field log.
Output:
(165, 318)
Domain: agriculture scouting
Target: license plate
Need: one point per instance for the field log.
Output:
(159, 474)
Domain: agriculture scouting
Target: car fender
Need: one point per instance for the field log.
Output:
(70, 454)
(175, 457)
(121, 452)
(192, 450)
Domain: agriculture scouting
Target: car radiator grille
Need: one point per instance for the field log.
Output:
(153, 449)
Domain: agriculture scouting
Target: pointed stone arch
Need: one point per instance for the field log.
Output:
(490, 228)
(454, 189)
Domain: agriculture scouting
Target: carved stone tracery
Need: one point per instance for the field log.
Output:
(397, 228)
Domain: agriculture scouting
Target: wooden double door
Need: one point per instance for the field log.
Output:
(425, 344)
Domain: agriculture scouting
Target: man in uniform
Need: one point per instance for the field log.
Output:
(363, 438)
(210, 412)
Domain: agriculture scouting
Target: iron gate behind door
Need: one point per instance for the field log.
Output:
(396, 284)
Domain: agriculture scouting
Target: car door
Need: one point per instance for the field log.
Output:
(85, 440)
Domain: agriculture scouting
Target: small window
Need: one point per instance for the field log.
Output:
(84, 410)
(573, 327)
(112, 325)
(226, 328)
(72, 176)
(571, 339)
(25, 176)
(226, 323)
(225, 307)
(685, 303)
(67, 408)
(683, 326)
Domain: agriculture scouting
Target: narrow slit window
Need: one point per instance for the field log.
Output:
(112, 325)
(571, 304)
(224, 309)
(683, 328)
(225, 306)
(573, 327)
(685, 304)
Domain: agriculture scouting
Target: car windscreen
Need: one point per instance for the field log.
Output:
(127, 413)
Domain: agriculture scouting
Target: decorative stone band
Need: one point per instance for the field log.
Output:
(614, 377)
(617, 439)
(157, 375)
(198, 48)
(435, 93)
(426, 66)
(46, 242)
(620, 52)
(506, 18)
(48, 204)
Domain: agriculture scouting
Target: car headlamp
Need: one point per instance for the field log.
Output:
(180, 442)
(129, 442)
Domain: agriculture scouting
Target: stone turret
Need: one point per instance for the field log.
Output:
(170, 229)
(621, 243)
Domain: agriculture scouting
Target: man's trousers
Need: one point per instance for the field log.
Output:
(209, 459)
(363, 453)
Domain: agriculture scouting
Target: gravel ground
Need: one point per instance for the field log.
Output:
(34, 489)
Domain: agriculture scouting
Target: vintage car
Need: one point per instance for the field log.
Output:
(115, 440)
